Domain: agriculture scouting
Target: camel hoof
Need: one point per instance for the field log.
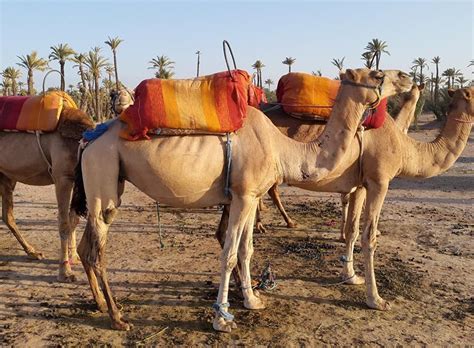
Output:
(219, 324)
(355, 280)
(291, 224)
(260, 228)
(121, 325)
(67, 278)
(379, 304)
(34, 255)
(254, 302)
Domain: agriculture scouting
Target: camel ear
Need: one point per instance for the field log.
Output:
(466, 94)
(451, 92)
(421, 87)
(350, 75)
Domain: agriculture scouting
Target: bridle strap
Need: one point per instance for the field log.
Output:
(357, 84)
(378, 90)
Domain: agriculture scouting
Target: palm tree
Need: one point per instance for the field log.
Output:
(269, 83)
(80, 59)
(413, 74)
(32, 62)
(317, 73)
(12, 74)
(338, 63)
(451, 74)
(95, 62)
(198, 62)
(258, 65)
(164, 66)
(471, 63)
(420, 63)
(461, 80)
(113, 43)
(61, 53)
(5, 84)
(289, 61)
(377, 47)
(436, 60)
(368, 58)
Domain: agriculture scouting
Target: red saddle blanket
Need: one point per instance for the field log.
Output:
(213, 103)
(33, 113)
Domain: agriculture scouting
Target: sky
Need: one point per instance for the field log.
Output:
(313, 32)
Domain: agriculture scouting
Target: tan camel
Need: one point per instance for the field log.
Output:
(299, 131)
(388, 153)
(21, 161)
(188, 171)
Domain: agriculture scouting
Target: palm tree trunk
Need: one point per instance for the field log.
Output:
(116, 71)
(14, 87)
(198, 63)
(63, 82)
(97, 100)
(30, 81)
(436, 85)
(289, 68)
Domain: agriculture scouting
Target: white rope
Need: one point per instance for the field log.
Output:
(50, 167)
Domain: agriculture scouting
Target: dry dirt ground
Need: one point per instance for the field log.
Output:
(424, 266)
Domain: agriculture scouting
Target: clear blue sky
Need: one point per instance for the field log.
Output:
(313, 32)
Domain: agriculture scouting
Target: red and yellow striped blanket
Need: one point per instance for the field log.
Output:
(214, 103)
(33, 113)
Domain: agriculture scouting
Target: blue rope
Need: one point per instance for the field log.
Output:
(219, 308)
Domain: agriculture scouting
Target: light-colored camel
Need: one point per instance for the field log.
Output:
(188, 171)
(21, 161)
(403, 120)
(388, 153)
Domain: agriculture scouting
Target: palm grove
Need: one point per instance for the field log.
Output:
(99, 77)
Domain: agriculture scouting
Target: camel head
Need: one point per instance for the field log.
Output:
(462, 105)
(121, 100)
(370, 86)
(414, 93)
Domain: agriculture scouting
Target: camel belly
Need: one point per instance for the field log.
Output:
(182, 171)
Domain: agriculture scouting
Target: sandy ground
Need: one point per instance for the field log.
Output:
(424, 266)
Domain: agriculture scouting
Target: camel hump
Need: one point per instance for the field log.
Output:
(306, 94)
(33, 113)
(213, 103)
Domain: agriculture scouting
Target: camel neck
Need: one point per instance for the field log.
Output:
(317, 159)
(424, 160)
(406, 114)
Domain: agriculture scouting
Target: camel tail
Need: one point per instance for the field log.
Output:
(79, 201)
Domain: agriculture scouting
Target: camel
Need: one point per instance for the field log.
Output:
(403, 120)
(21, 160)
(261, 155)
(388, 152)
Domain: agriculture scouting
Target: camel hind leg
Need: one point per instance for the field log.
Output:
(6, 191)
(275, 195)
(102, 192)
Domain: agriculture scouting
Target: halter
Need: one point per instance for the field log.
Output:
(378, 90)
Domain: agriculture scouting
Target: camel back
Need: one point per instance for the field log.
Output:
(213, 103)
(33, 113)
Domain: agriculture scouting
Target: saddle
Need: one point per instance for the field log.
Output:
(215, 103)
(33, 113)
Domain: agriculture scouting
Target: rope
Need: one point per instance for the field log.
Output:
(50, 167)
(228, 159)
(219, 308)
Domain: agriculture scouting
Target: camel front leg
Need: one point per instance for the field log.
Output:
(354, 210)
(275, 195)
(375, 198)
(6, 191)
(252, 299)
(63, 195)
(240, 209)
(344, 205)
(73, 221)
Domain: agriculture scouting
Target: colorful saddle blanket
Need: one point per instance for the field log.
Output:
(307, 94)
(33, 113)
(214, 103)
